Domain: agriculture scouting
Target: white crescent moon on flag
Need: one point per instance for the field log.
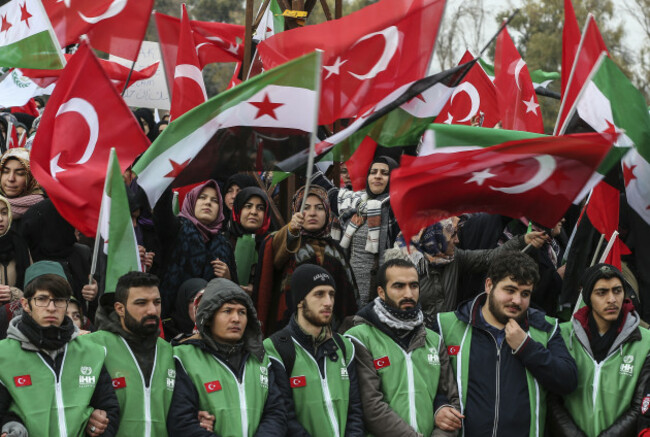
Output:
(191, 72)
(21, 381)
(520, 64)
(87, 111)
(115, 8)
(295, 381)
(547, 166)
(211, 386)
(391, 35)
(473, 95)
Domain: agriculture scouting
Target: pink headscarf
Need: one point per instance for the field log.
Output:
(207, 231)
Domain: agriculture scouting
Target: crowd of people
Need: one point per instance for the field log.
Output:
(330, 325)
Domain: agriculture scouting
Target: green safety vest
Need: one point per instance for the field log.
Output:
(605, 389)
(143, 410)
(237, 406)
(409, 380)
(50, 404)
(457, 333)
(321, 402)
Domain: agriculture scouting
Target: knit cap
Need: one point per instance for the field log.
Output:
(304, 279)
(593, 274)
(41, 268)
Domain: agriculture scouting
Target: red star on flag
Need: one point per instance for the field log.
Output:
(5, 24)
(25, 16)
(176, 168)
(266, 107)
(628, 173)
(611, 128)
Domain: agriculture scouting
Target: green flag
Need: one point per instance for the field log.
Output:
(540, 78)
(272, 22)
(116, 228)
(27, 39)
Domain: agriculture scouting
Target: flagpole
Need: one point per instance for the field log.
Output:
(312, 138)
(93, 266)
(600, 243)
(608, 248)
(128, 78)
(496, 35)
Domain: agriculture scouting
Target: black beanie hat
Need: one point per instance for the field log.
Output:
(593, 274)
(304, 279)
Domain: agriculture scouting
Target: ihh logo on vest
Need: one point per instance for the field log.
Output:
(344, 373)
(170, 384)
(85, 379)
(432, 357)
(264, 381)
(627, 368)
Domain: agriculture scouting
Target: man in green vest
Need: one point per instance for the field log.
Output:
(506, 355)
(224, 370)
(315, 366)
(611, 352)
(52, 381)
(139, 361)
(407, 385)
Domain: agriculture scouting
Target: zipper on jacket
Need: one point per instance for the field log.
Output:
(243, 406)
(596, 382)
(498, 387)
(58, 393)
(146, 388)
(411, 385)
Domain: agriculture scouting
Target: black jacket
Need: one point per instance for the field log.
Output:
(497, 402)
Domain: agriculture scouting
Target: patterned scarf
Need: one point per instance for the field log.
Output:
(430, 245)
(366, 211)
(399, 320)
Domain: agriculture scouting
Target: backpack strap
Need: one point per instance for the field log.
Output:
(283, 343)
(340, 343)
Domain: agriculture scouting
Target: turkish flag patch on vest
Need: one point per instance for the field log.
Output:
(645, 404)
(380, 363)
(119, 382)
(453, 350)
(212, 386)
(23, 381)
(298, 381)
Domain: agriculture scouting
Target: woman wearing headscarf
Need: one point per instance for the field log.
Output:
(194, 244)
(249, 225)
(234, 184)
(367, 220)
(17, 183)
(304, 240)
(182, 318)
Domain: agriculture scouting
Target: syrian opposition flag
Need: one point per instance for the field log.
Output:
(474, 97)
(518, 106)
(284, 99)
(26, 37)
(214, 42)
(367, 54)
(589, 50)
(113, 26)
(83, 119)
(189, 88)
(115, 227)
(536, 178)
(272, 22)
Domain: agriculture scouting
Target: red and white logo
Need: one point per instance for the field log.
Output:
(380, 363)
(645, 404)
(23, 381)
(453, 350)
(298, 381)
(119, 383)
(212, 386)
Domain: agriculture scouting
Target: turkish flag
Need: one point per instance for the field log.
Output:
(359, 163)
(453, 350)
(118, 73)
(536, 178)
(112, 26)
(212, 386)
(28, 108)
(366, 55)
(214, 42)
(298, 381)
(570, 42)
(380, 363)
(591, 46)
(119, 383)
(84, 118)
(23, 381)
(189, 88)
(473, 96)
(515, 91)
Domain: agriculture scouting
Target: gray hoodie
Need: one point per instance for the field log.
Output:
(16, 334)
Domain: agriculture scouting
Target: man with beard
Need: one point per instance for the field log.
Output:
(612, 353)
(316, 371)
(505, 355)
(139, 361)
(53, 382)
(407, 386)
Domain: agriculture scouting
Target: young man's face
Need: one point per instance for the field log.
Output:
(229, 322)
(402, 288)
(45, 309)
(318, 305)
(507, 299)
(607, 300)
(141, 314)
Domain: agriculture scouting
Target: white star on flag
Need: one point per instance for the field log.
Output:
(531, 106)
(480, 176)
(334, 68)
(449, 119)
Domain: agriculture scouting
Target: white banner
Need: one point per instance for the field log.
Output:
(16, 89)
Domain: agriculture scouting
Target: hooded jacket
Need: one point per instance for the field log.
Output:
(184, 410)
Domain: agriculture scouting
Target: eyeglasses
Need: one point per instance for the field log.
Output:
(44, 301)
